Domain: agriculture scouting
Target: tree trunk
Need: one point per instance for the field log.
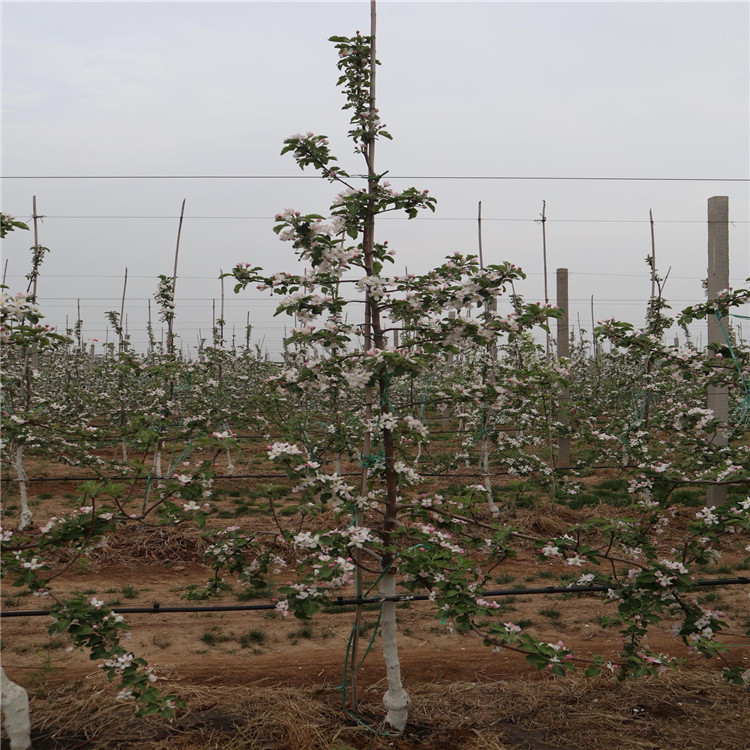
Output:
(396, 700)
(26, 514)
(15, 703)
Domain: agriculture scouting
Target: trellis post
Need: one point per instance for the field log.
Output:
(563, 350)
(718, 281)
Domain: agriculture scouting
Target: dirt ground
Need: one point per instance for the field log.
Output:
(255, 679)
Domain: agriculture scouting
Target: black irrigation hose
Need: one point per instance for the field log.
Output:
(157, 608)
(149, 477)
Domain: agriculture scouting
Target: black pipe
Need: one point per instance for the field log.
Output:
(156, 607)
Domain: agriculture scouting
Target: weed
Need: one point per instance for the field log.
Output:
(551, 613)
(250, 594)
(129, 592)
(367, 625)
(711, 596)
(253, 636)
(196, 595)
(38, 680)
(53, 644)
(213, 635)
(305, 631)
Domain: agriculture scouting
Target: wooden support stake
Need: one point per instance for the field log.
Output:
(170, 323)
(122, 311)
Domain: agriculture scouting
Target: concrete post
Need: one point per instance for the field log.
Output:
(446, 410)
(718, 280)
(563, 350)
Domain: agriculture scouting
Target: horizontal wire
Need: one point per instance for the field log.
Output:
(405, 218)
(364, 177)
(644, 275)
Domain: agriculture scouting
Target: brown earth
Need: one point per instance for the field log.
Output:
(254, 679)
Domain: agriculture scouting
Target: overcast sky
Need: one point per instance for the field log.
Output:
(492, 89)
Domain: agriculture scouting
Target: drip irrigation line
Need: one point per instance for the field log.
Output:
(231, 477)
(158, 608)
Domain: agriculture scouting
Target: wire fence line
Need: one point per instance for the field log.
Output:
(531, 220)
(573, 178)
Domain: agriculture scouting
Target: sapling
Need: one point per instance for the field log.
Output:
(383, 527)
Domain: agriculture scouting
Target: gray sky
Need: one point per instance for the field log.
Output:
(489, 89)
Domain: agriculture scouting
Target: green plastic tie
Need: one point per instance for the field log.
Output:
(742, 412)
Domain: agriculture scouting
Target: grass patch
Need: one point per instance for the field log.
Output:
(249, 595)
(253, 637)
(213, 636)
(551, 613)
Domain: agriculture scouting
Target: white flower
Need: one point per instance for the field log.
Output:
(358, 535)
(577, 560)
(306, 540)
(708, 516)
(486, 603)
(283, 449)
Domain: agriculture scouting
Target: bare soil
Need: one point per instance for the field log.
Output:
(253, 679)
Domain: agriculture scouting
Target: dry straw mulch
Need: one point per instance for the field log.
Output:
(140, 543)
(685, 711)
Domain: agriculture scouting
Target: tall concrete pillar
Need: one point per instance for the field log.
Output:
(718, 280)
(563, 350)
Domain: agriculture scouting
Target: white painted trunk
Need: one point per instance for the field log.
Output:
(15, 703)
(124, 446)
(419, 454)
(26, 514)
(157, 464)
(487, 480)
(396, 700)
(230, 465)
